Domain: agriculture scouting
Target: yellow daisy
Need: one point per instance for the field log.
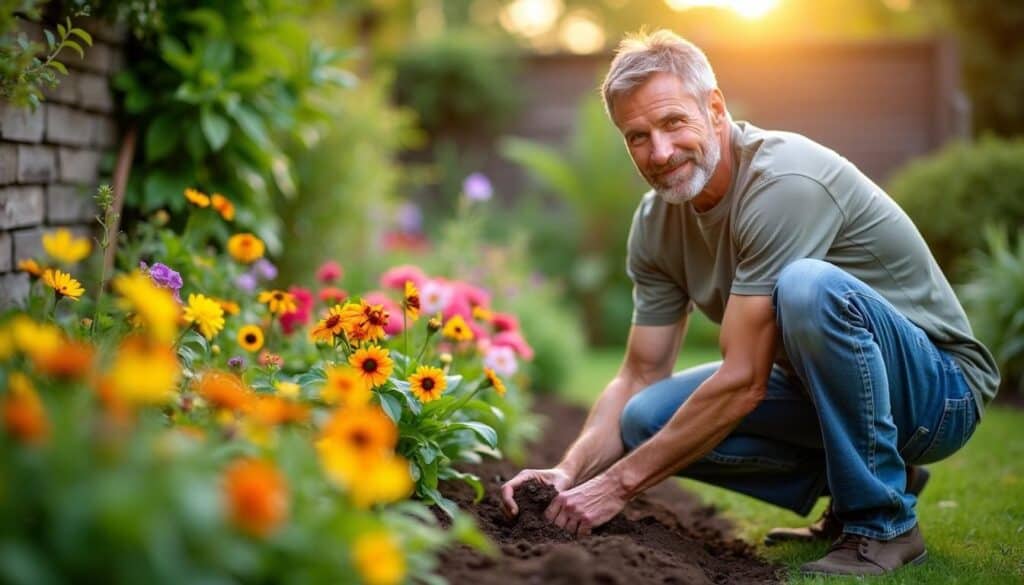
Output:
(427, 383)
(31, 267)
(63, 284)
(457, 329)
(278, 301)
(494, 381)
(64, 247)
(246, 248)
(373, 364)
(346, 386)
(250, 338)
(206, 314)
(197, 197)
(330, 327)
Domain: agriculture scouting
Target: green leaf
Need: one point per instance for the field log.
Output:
(86, 37)
(472, 480)
(58, 66)
(159, 190)
(447, 506)
(251, 125)
(215, 127)
(63, 32)
(391, 406)
(486, 433)
(50, 40)
(162, 135)
(76, 47)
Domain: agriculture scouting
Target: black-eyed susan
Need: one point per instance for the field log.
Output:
(250, 338)
(345, 386)
(197, 197)
(427, 383)
(63, 284)
(378, 558)
(330, 327)
(205, 313)
(246, 248)
(30, 266)
(457, 329)
(492, 380)
(278, 302)
(373, 364)
(365, 430)
(257, 496)
(223, 206)
(63, 246)
(411, 301)
(364, 322)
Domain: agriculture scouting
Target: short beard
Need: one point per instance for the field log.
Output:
(686, 190)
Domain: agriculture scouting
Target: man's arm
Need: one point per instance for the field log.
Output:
(650, 355)
(748, 340)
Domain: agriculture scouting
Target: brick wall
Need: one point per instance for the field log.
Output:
(50, 158)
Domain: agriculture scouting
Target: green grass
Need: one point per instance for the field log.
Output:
(971, 514)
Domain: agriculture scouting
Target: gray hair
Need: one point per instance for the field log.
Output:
(644, 54)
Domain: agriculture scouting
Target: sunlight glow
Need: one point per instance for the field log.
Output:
(580, 33)
(530, 18)
(747, 8)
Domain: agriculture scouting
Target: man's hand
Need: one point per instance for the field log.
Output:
(553, 477)
(587, 505)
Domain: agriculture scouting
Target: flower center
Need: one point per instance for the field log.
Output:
(278, 296)
(370, 365)
(428, 384)
(332, 321)
(250, 338)
(360, 438)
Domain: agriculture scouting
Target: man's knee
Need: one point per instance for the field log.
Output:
(637, 422)
(801, 291)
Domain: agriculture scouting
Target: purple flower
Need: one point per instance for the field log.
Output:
(246, 282)
(264, 269)
(236, 363)
(410, 218)
(477, 187)
(164, 276)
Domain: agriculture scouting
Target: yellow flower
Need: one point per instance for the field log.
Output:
(31, 266)
(373, 364)
(257, 496)
(427, 383)
(345, 386)
(34, 339)
(22, 412)
(278, 301)
(411, 301)
(379, 559)
(197, 197)
(206, 314)
(364, 429)
(246, 248)
(330, 327)
(223, 205)
(288, 390)
(230, 307)
(154, 305)
(63, 284)
(457, 329)
(357, 453)
(250, 338)
(64, 247)
(144, 373)
(364, 322)
(482, 314)
(495, 381)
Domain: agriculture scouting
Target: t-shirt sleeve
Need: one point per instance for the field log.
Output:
(786, 219)
(657, 298)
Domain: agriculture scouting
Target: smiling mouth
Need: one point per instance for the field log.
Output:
(669, 172)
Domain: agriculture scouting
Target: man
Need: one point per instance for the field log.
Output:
(847, 358)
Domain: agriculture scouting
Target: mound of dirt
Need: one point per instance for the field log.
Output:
(664, 536)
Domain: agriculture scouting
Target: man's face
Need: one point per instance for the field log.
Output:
(672, 141)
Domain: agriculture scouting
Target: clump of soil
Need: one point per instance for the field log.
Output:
(664, 536)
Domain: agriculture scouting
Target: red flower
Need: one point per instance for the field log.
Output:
(329, 272)
(303, 309)
(332, 295)
(504, 322)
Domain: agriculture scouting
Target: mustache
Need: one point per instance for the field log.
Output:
(678, 159)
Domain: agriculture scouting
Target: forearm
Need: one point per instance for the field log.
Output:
(700, 424)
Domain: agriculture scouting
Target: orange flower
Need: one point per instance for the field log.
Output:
(345, 386)
(223, 390)
(229, 307)
(31, 266)
(246, 248)
(23, 413)
(365, 430)
(270, 360)
(373, 364)
(72, 361)
(411, 301)
(364, 322)
(223, 205)
(197, 197)
(330, 327)
(427, 383)
(257, 497)
(271, 410)
(495, 381)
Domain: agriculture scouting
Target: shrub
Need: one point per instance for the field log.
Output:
(951, 194)
(994, 299)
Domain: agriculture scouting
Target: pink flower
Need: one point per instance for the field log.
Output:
(514, 340)
(458, 305)
(502, 360)
(477, 297)
(329, 272)
(393, 309)
(435, 294)
(303, 309)
(504, 322)
(332, 295)
(396, 277)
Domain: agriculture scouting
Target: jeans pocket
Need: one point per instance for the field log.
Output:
(956, 425)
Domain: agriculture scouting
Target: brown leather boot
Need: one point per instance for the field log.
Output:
(828, 527)
(853, 554)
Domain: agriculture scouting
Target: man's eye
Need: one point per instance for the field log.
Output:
(637, 139)
(674, 123)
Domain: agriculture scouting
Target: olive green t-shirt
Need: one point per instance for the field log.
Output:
(792, 198)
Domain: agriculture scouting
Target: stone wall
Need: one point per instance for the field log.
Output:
(50, 158)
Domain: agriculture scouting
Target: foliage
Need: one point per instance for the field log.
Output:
(461, 81)
(26, 66)
(951, 194)
(596, 184)
(217, 94)
(993, 58)
(994, 300)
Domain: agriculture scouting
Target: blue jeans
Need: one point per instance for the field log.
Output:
(867, 394)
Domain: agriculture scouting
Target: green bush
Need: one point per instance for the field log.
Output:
(951, 194)
(994, 299)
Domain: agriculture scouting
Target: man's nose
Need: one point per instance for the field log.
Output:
(662, 149)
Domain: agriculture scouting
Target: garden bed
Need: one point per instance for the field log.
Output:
(664, 536)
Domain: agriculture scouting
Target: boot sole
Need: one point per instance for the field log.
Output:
(921, 558)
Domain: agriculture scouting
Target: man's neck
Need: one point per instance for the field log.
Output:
(721, 179)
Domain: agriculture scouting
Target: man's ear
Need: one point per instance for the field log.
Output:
(716, 107)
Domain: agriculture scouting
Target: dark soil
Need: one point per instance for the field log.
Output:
(664, 536)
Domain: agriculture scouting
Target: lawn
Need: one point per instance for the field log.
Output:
(972, 513)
